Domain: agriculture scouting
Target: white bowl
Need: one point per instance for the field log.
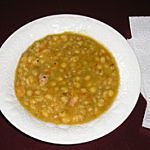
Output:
(125, 101)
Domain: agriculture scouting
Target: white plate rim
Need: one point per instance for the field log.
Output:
(117, 33)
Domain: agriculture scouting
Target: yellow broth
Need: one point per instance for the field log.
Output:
(66, 78)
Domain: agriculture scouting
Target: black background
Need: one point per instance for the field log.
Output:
(14, 14)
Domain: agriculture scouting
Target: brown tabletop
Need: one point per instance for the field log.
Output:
(130, 135)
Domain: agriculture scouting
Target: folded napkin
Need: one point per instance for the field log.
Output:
(140, 42)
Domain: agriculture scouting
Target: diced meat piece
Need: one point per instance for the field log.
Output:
(73, 101)
(43, 79)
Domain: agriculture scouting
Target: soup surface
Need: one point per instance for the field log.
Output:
(66, 78)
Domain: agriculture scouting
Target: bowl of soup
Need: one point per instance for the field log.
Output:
(67, 79)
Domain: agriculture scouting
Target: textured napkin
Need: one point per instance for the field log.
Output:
(140, 42)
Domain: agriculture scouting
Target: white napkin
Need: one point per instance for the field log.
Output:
(140, 42)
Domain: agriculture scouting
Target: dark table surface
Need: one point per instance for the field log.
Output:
(14, 14)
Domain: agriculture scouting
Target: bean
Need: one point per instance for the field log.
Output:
(77, 78)
(32, 101)
(102, 59)
(83, 52)
(77, 51)
(26, 103)
(77, 84)
(56, 89)
(80, 43)
(55, 116)
(112, 67)
(29, 93)
(89, 84)
(59, 54)
(45, 113)
(107, 87)
(64, 38)
(53, 83)
(37, 45)
(95, 100)
(74, 59)
(62, 114)
(48, 96)
(93, 89)
(83, 90)
(44, 89)
(110, 80)
(59, 78)
(100, 72)
(37, 92)
(110, 93)
(55, 38)
(102, 51)
(108, 58)
(99, 67)
(27, 81)
(56, 108)
(50, 43)
(64, 89)
(41, 56)
(100, 87)
(19, 70)
(61, 70)
(114, 74)
(65, 120)
(85, 62)
(105, 94)
(20, 90)
(97, 58)
(83, 111)
(64, 99)
(106, 66)
(69, 53)
(77, 118)
(31, 79)
(86, 102)
(43, 106)
(96, 110)
(42, 61)
(63, 65)
(100, 102)
(24, 59)
(73, 70)
(78, 38)
(39, 99)
(50, 109)
(33, 107)
(90, 109)
(34, 72)
(87, 77)
(45, 51)
(29, 59)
